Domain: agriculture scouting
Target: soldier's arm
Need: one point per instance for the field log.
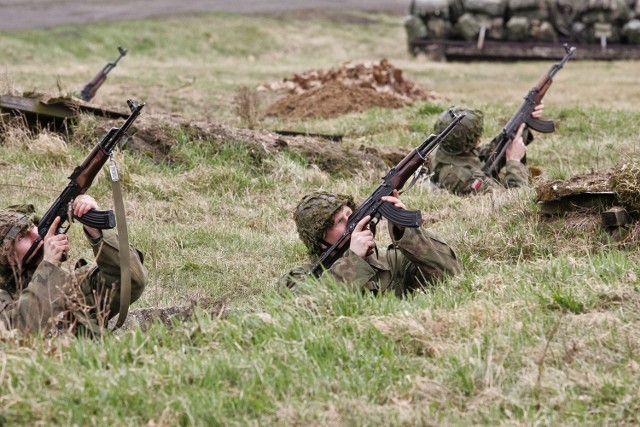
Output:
(515, 175)
(428, 252)
(294, 277)
(107, 252)
(39, 304)
(353, 271)
(463, 181)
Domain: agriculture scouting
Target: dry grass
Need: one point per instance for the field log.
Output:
(541, 328)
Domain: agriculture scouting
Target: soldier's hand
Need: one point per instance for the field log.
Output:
(394, 200)
(537, 111)
(83, 204)
(516, 150)
(362, 243)
(56, 246)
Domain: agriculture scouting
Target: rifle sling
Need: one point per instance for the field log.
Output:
(123, 243)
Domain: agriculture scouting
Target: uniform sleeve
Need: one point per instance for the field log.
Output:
(430, 254)
(105, 279)
(352, 271)
(465, 180)
(294, 277)
(45, 297)
(515, 175)
(6, 309)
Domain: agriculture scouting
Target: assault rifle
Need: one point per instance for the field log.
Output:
(90, 89)
(496, 159)
(376, 208)
(79, 182)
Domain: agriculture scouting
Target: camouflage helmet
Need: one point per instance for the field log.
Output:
(465, 136)
(314, 216)
(13, 221)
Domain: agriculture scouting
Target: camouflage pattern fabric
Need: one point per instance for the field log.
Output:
(314, 215)
(414, 259)
(462, 174)
(81, 300)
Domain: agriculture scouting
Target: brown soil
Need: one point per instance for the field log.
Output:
(345, 89)
(332, 100)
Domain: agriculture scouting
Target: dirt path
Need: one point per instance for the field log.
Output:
(24, 14)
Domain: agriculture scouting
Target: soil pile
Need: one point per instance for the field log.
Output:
(331, 100)
(346, 89)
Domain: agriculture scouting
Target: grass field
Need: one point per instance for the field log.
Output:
(542, 328)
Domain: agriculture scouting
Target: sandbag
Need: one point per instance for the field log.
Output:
(428, 8)
(517, 28)
(438, 28)
(486, 7)
(631, 31)
(543, 31)
(415, 27)
(469, 26)
(516, 5)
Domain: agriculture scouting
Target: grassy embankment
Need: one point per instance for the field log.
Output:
(542, 327)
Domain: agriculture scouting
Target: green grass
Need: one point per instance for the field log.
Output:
(541, 328)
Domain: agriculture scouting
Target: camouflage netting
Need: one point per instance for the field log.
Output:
(582, 21)
(625, 181)
(348, 88)
(595, 182)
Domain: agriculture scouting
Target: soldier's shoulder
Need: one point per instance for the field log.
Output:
(293, 277)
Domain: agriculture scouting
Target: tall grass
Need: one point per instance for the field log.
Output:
(541, 328)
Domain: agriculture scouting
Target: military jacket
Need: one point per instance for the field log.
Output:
(462, 173)
(413, 260)
(88, 296)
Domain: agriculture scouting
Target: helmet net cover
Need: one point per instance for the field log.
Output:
(314, 216)
(14, 220)
(465, 136)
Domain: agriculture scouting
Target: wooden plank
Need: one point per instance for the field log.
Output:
(33, 105)
(56, 108)
(503, 50)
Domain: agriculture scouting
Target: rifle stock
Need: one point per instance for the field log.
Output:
(373, 205)
(496, 159)
(79, 182)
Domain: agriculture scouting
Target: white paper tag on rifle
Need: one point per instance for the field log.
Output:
(113, 170)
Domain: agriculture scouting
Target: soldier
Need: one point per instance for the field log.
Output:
(457, 164)
(36, 294)
(415, 258)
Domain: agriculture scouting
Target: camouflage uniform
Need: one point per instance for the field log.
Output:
(85, 297)
(416, 256)
(457, 163)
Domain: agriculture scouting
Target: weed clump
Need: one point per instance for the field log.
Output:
(625, 181)
(246, 104)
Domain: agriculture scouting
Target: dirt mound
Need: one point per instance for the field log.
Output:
(348, 88)
(331, 100)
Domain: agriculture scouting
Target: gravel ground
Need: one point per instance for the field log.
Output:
(25, 14)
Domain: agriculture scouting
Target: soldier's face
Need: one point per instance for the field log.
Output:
(22, 243)
(340, 219)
